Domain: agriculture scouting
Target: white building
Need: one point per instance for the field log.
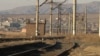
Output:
(6, 23)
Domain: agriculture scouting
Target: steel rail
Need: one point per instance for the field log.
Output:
(30, 50)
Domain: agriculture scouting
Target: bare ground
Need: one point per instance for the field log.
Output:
(89, 45)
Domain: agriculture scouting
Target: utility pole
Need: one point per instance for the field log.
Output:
(69, 24)
(51, 7)
(99, 21)
(59, 18)
(86, 19)
(37, 18)
(59, 15)
(70, 20)
(74, 17)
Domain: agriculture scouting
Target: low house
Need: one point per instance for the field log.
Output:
(31, 28)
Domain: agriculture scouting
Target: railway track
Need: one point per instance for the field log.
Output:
(32, 38)
(34, 51)
(67, 52)
(24, 49)
(60, 51)
(52, 50)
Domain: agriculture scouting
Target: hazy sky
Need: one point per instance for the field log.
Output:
(9, 4)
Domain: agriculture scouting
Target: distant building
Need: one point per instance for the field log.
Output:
(23, 30)
(6, 24)
(31, 28)
(15, 24)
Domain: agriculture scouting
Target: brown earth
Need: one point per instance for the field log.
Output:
(89, 45)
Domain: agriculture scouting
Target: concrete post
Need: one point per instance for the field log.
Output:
(60, 27)
(51, 6)
(86, 19)
(74, 17)
(99, 21)
(59, 19)
(37, 17)
(69, 23)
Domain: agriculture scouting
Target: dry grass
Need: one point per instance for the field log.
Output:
(84, 37)
(90, 45)
(13, 34)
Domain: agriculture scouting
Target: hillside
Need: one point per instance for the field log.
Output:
(91, 8)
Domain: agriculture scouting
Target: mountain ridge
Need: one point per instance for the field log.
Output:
(92, 7)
